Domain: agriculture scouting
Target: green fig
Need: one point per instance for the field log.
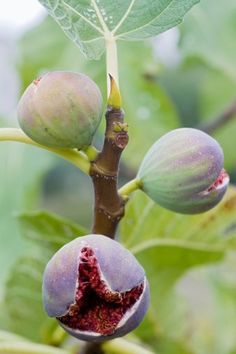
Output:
(61, 109)
(183, 171)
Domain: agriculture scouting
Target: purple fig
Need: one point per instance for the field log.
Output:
(183, 171)
(95, 288)
(61, 109)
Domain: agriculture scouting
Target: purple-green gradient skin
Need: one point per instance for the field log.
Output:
(61, 109)
(179, 168)
(118, 266)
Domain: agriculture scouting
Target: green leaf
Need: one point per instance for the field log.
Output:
(146, 225)
(168, 346)
(47, 230)
(168, 245)
(90, 23)
(209, 32)
(22, 301)
(163, 265)
(213, 323)
(22, 169)
(23, 298)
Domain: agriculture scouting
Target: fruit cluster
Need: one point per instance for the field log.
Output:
(94, 286)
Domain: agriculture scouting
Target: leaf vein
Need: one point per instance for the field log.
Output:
(100, 18)
(124, 17)
(147, 24)
(177, 243)
(84, 18)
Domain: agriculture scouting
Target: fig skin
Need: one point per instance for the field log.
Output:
(118, 267)
(179, 169)
(61, 109)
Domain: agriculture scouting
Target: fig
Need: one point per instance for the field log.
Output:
(61, 109)
(95, 288)
(183, 171)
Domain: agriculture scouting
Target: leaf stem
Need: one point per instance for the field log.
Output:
(111, 61)
(75, 157)
(130, 187)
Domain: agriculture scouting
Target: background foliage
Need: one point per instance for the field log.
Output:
(190, 260)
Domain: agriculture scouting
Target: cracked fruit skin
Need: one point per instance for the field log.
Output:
(183, 171)
(61, 109)
(95, 288)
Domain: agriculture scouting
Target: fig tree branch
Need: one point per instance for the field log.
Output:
(109, 205)
(220, 120)
(92, 348)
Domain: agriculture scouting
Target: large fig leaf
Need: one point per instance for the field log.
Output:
(168, 245)
(89, 23)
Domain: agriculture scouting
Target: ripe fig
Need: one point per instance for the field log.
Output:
(61, 109)
(95, 288)
(183, 171)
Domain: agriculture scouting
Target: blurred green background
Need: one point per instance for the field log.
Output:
(185, 77)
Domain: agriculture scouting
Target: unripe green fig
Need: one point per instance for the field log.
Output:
(183, 171)
(61, 109)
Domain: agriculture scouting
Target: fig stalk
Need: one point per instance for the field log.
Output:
(73, 156)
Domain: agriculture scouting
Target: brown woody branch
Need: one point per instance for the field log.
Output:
(109, 206)
(92, 348)
(220, 120)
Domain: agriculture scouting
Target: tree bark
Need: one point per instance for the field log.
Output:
(108, 205)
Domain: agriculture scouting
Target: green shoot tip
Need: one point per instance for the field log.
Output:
(114, 99)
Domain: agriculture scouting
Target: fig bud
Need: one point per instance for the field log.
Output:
(61, 109)
(183, 171)
(95, 288)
